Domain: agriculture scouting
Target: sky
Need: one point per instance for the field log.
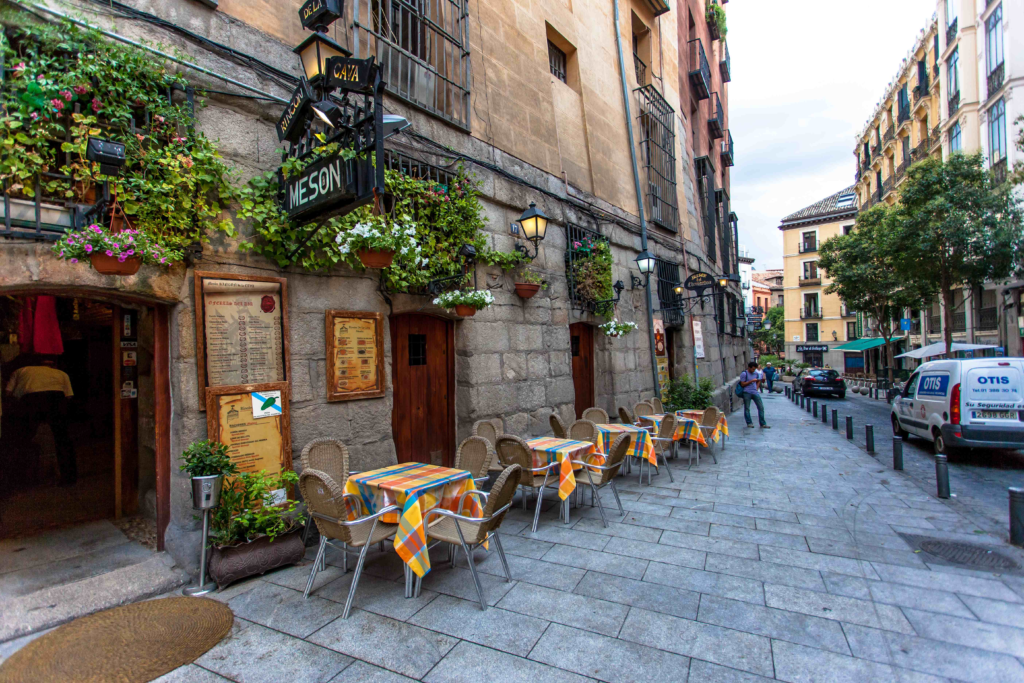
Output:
(806, 75)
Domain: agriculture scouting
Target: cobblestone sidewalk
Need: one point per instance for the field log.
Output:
(782, 561)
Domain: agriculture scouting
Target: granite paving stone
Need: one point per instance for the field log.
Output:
(724, 585)
(503, 630)
(969, 632)
(284, 609)
(608, 659)
(954, 583)
(797, 558)
(668, 523)
(809, 530)
(706, 672)
(376, 595)
(839, 608)
(714, 517)
(526, 547)
(633, 531)
(190, 673)
(609, 563)
(656, 552)
(469, 662)
(995, 611)
(458, 582)
(756, 512)
(654, 597)
(570, 609)
(557, 533)
(764, 571)
(774, 623)
(556, 576)
(759, 537)
(368, 673)
(800, 664)
(710, 545)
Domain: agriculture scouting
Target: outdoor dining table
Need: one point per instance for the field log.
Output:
(416, 488)
(686, 428)
(550, 450)
(640, 443)
(722, 427)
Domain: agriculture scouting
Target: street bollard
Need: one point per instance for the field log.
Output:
(787, 392)
(835, 419)
(897, 453)
(942, 475)
(1017, 516)
(801, 401)
(808, 406)
(869, 438)
(849, 427)
(815, 411)
(824, 414)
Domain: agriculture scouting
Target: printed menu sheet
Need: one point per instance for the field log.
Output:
(254, 443)
(355, 354)
(244, 339)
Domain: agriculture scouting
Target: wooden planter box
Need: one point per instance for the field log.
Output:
(231, 564)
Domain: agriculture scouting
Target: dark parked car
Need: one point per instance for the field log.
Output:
(816, 381)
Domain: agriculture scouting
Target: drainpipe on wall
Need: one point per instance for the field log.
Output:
(639, 199)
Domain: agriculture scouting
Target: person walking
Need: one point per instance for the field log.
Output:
(43, 392)
(769, 376)
(750, 380)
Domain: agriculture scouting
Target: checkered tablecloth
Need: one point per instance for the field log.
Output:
(640, 443)
(548, 450)
(721, 428)
(416, 488)
(686, 428)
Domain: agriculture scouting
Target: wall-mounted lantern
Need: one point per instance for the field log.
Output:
(314, 52)
(108, 153)
(534, 224)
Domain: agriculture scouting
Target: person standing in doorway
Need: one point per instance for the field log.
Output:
(43, 392)
(769, 376)
(751, 380)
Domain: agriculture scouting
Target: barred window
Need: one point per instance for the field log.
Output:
(556, 62)
(668, 280)
(709, 208)
(423, 49)
(657, 149)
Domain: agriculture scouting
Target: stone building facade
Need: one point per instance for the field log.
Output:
(535, 111)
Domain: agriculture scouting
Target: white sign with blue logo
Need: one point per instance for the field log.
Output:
(933, 385)
(266, 404)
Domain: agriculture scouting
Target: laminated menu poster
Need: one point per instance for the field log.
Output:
(244, 332)
(355, 355)
(254, 443)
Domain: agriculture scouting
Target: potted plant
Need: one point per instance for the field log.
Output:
(376, 240)
(113, 253)
(614, 328)
(466, 303)
(256, 528)
(207, 462)
(528, 283)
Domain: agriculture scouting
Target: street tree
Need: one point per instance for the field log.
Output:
(861, 267)
(953, 227)
(772, 334)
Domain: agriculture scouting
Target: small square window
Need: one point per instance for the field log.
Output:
(417, 349)
(556, 61)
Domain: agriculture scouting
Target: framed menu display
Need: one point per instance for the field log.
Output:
(355, 355)
(241, 329)
(243, 418)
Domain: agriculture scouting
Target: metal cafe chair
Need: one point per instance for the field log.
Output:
(600, 476)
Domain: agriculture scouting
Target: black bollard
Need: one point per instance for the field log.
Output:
(815, 411)
(849, 427)
(869, 438)
(824, 414)
(1017, 516)
(835, 419)
(897, 453)
(942, 475)
(801, 401)
(808, 406)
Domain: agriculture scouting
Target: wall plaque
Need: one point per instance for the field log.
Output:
(355, 355)
(254, 443)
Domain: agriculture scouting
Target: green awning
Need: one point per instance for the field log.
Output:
(862, 344)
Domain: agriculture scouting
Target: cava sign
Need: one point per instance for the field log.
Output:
(349, 73)
(320, 187)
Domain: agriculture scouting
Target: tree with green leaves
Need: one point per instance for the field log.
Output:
(953, 227)
(861, 267)
(773, 331)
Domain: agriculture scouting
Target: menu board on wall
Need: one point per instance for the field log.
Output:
(254, 443)
(355, 355)
(241, 330)
(663, 376)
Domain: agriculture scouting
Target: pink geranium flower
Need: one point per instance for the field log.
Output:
(88, 249)
(95, 104)
(74, 260)
(109, 253)
(80, 89)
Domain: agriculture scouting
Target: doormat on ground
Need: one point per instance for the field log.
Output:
(137, 642)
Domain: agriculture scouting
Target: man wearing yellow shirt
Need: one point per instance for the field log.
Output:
(43, 392)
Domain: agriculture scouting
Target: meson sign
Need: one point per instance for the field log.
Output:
(327, 183)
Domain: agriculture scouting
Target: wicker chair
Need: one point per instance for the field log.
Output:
(557, 426)
(487, 430)
(470, 532)
(658, 406)
(513, 451)
(662, 442)
(325, 501)
(474, 454)
(641, 409)
(597, 415)
(330, 456)
(708, 424)
(624, 417)
(583, 430)
(599, 476)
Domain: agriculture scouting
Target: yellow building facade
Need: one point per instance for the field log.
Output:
(816, 322)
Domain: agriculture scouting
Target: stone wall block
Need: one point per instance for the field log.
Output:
(530, 395)
(513, 367)
(481, 368)
(518, 424)
(307, 334)
(536, 312)
(560, 390)
(322, 420)
(538, 366)
(526, 337)
(560, 363)
(482, 336)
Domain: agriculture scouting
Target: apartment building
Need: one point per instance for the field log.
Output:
(816, 322)
(611, 117)
(746, 277)
(773, 280)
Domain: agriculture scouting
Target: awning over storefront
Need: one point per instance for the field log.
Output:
(939, 348)
(863, 344)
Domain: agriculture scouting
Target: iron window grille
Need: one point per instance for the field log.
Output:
(700, 71)
(997, 132)
(724, 231)
(668, 280)
(725, 65)
(716, 118)
(951, 31)
(574, 255)
(657, 149)
(557, 62)
(812, 332)
(423, 49)
(727, 150)
(706, 190)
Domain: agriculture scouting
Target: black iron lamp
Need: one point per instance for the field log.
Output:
(314, 52)
(108, 153)
(329, 112)
(724, 281)
(534, 224)
(468, 253)
(645, 262)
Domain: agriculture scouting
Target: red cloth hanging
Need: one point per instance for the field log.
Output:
(26, 320)
(46, 339)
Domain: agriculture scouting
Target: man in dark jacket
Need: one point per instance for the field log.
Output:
(769, 375)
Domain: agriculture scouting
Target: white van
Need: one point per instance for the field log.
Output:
(968, 403)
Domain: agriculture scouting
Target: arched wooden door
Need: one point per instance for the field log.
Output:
(423, 377)
(581, 337)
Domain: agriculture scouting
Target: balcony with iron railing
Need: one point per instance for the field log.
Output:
(935, 137)
(921, 89)
(934, 324)
(889, 135)
(725, 64)
(716, 118)
(713, 30)
(808, 246)
(999, 171)
(810, 313)
(810, 280)
(903, 113)
(901, 171)
(951, 32)
(915, 326)
(954, 103)
(727, 150)
(988, 318)
(700, 70)
(876, 151)
(845, 312)
(640, 69)
(921, 151)
(960, 321)
(887, 185)
(995, 78)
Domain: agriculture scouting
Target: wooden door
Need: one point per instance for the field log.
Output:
(423, 377)
(581, 337)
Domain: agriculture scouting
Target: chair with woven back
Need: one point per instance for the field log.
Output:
(471, 532)
(514, 451)
(487, 429)
(658, 406)
(474, 454)
(596, 415)
(599, 476)
(326, 503)
(326, 455)
(557, 426)
(640, 409)
(708, 425)
(583, 430)
(624, 416)
(663, 442)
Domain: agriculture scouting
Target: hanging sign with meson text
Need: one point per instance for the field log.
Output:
(327, 183)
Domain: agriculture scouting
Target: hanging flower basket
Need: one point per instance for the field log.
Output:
(465, 310)
(111, 265)
(526, 290)
(466, 303)
(375, 258)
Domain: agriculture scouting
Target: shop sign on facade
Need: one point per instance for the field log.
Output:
(321, 185)
(812, 348)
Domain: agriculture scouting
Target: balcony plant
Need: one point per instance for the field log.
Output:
(114, 253)
(256, 527)
(376, 240)
(591, 274)
(528, 283)
(465, 302)
(715, 18)
(614, 328)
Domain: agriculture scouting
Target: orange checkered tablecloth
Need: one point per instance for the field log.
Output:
(548, 450)
(686, 428)
(416, 488)
(640, 443)
(721, 428)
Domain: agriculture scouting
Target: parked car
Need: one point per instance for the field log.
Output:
(970, 403)
(815, 381)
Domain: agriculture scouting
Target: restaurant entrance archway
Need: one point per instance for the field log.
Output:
(423, 381)
(581, 338)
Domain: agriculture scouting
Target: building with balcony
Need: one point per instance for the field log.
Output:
(773, 280)
(815, 321)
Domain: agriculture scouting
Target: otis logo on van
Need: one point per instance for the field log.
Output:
(933, 385)
(993, 380)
